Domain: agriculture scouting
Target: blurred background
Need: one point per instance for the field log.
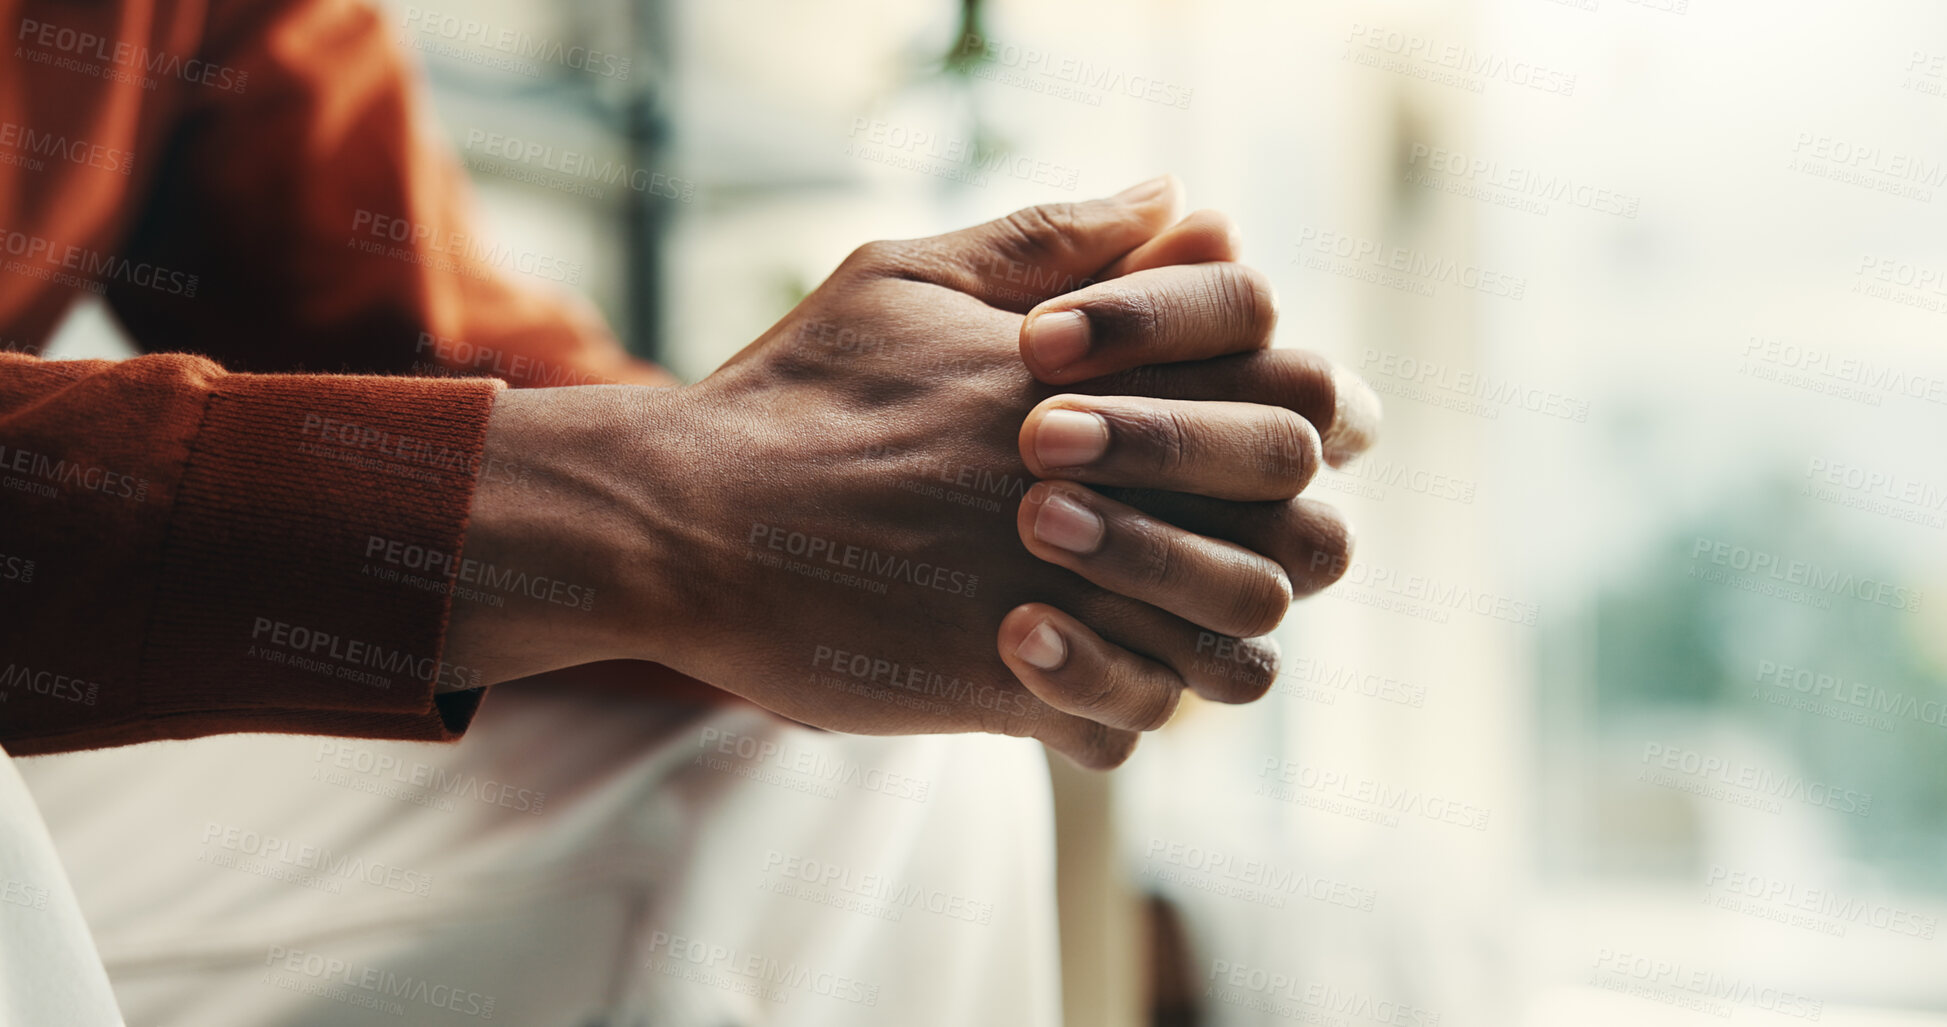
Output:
(1633, 706)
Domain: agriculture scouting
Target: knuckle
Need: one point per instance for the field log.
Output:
(1291, 451)
(1157, 438)
(1301, 381)
(1226, 228)
(1249, 689)
(1135, 316)
(877, 255)
(1258, 663)
(1243, 674)
(1246, 306)
(1162, 702)
(1331, 545)
(1259, 603)
(1230, 669)
(1107, 748)
(1264, 300)
(1176, 439)
(1044, 229)
(1094, 694)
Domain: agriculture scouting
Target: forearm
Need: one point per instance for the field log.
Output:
(565, 559)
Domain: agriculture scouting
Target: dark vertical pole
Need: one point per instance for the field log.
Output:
(647, 215)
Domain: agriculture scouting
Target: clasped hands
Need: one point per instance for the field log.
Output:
(1036, 477)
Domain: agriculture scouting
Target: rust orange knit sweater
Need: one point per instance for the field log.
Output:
(251, 187)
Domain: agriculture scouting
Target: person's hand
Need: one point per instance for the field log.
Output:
(841, 526)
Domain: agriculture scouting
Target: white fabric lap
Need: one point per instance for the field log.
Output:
(576, 860)
(49, 972)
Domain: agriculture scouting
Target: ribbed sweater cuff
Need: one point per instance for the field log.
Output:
(271, 614)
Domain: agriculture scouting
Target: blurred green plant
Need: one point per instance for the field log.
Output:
(1664, 644)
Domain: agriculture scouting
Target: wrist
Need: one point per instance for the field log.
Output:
(568, 556)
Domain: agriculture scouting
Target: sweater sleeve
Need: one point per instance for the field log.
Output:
(331, 229)
(186, 551)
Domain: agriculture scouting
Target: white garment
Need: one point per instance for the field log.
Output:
(715, 870)
(49, 973)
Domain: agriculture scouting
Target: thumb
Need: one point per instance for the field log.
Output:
(1044, 251)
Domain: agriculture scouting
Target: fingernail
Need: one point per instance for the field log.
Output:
(1066, 524)
(1143, 192)
(1044, 647)
(1058, 339)
(1070, 438)
(1356, 413)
